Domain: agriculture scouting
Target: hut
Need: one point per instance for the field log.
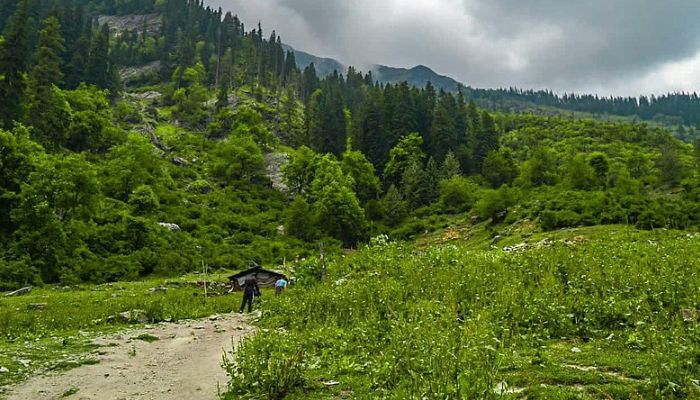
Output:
(266, 278)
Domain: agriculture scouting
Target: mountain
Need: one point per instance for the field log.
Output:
(324, 66)
(417, 76)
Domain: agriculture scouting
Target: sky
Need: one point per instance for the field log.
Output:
(607, 47)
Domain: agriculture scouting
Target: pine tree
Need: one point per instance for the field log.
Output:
(14, 59)
(443, 134)
(48, 56)
(486, 139)
(450, 167)
(48, 111)
(98, 68)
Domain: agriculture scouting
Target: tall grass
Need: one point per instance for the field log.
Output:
(448, 323)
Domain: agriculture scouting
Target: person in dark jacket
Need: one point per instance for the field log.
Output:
(250, 290)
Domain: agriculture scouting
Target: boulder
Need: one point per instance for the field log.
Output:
(179, 161)
(20, 292)
(133, 316)
(170, 227)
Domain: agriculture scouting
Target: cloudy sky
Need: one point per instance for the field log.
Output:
(622, 47)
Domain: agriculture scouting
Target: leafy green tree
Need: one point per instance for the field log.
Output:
(672, 167)
(458, 194)
(494, 204)
(499, 168)
(337, 210)
(300, 171)
(130, 165)
(601, 166)
(579, 173)
(250, 122)
(63, 189)
(299, 219)
(17, 155)
(541, 168)
(144, 200)
(405, 153)
(356, 165)
(238, 159)
(189, 99)
(91, 127)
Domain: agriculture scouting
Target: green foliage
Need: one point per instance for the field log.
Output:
(402, 156)
(337, 210)
(356, 166)
(299, 222)
(494, 204)
(238, 159)
(499, 168)
(483, 318)
(458, 194)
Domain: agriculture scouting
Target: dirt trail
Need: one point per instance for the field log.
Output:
(184, 363)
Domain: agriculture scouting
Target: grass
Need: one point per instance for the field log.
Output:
(597, 318)
(59, 335)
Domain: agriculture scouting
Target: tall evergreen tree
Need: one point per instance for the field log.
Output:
(14, 59)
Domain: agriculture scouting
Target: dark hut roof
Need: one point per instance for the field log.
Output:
(256, 270)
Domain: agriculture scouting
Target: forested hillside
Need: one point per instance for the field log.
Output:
(139, 146)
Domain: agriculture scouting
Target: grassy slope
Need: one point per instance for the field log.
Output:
(449, 321)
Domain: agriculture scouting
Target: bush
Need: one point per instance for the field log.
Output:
(458, 194)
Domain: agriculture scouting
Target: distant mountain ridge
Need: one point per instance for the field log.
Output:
(417, 76)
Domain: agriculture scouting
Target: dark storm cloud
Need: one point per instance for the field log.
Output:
(613, 46)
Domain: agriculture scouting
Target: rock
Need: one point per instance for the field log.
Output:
(25, 363)
(4, 370)
(159, 289)
(170, 227)
(20, 292)
(331, 383)
(133, 74)
(214, 318)
(133, 316)
(496, 239)
(37, 306)
(118, 24)
(516, 248)
(179, 161)
(281, 230)
(199, 327)
(575, 350)
(690, 315)
(273, 167)
(476, 219)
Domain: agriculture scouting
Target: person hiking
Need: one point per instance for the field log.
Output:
(280, 285)
(250, 290)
